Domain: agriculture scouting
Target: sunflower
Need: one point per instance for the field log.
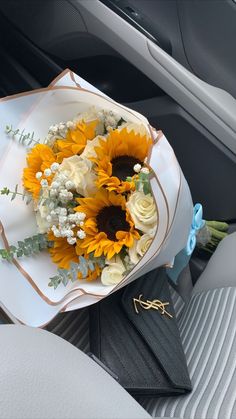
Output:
(38, 159)
(62, 254)
(116, 157)
(108, 224)
(76, 140)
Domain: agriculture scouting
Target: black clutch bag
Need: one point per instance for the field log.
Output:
(134, 334)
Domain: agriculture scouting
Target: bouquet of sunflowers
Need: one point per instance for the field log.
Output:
(91, 195)
(101, 193)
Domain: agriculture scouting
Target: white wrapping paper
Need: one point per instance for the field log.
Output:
(24, 291)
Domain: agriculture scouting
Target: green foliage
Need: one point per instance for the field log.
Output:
(142, 183)
(26, 247)
(23, 138)
(217, 231)
(84, 265)
(25, 196)
(218, 225)
(120, 122)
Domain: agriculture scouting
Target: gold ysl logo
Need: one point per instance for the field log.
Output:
(147, 305)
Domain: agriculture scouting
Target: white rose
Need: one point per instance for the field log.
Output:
(143, 211)
(112, 274)
(79, 171)
(89, 149)
(139, 248)
(137, 128)
(42, 223)
(41, 214)
(133, 254)
(90, 115)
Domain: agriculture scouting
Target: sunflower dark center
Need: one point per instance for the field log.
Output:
(123, 166)
(112, 219)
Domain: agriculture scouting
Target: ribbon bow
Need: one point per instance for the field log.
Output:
(182, 259)
(197, 224)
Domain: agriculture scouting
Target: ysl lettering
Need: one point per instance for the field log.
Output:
(147, 305)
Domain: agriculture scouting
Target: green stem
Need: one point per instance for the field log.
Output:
(23, 137)
(218, 225)
(10, 192)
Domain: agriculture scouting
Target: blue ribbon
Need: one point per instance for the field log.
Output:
(197, 224)
(182, 258)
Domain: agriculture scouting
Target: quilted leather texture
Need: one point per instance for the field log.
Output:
(144, 350)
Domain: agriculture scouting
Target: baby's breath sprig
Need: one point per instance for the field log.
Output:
(84, 265)
(26, 247)
(25, 196)
(24, 138)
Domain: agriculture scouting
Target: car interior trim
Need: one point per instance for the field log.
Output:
(213, 107)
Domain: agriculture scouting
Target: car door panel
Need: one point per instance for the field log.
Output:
(208, 32)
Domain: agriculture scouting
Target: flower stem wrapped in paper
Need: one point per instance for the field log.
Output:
(107, 201)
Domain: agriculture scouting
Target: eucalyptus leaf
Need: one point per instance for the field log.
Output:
(24, 139)
(27, 247)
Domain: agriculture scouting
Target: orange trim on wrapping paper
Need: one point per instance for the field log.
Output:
(16, 263)
(158, 249)
(42, 89)
(160, 134)
(31, 281)
(62, 310)
(59, 77)
(2, 232)
(34, 104)
(72, 76)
